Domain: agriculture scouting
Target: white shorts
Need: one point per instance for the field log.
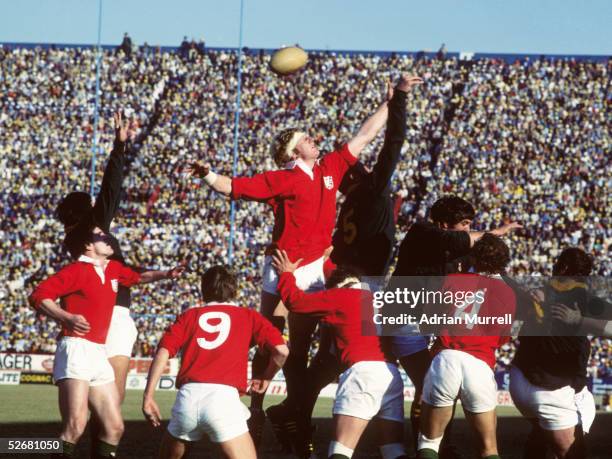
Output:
(456, 375)
(212, 409)
(309, 278)
(371, 389)
(122, 333)
(78, 358)
(554, 409)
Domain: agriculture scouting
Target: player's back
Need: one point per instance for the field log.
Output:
(492, 299)
(215, 340)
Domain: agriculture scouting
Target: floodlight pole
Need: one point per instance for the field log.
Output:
(94, 148)
(230, 250)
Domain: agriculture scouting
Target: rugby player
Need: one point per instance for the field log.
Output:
(364, 239)
(434, 248)
(214, 339)
(88, 290)
(548, 375)
(76, 208)
(302, 195)
(371, 385)
(465, 354)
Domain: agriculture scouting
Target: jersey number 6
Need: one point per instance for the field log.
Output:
(222, 328)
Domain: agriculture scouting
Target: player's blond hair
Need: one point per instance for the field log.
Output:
(279, 146)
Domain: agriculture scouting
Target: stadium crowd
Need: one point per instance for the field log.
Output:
(527, 141)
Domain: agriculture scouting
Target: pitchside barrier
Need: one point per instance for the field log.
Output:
(17, 368)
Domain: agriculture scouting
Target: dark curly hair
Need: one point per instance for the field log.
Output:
(573, 262)
(73, 208)
(451, 210)
(490, 254)
(340, 274)
(279, 144)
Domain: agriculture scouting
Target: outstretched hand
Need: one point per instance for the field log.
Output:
(282, 263)
(566, 314)
(197, 169)
(124, 129)
(177, 271)
(505, 229)
(407, 82)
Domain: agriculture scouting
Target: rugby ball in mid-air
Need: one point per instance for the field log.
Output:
(286, 61)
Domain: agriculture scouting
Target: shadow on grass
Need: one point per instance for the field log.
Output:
(142, 441)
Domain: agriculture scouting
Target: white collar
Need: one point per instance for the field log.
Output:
(213, 303)
(302, 165)
(92, 261)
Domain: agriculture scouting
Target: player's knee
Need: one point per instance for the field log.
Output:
(74, 428)
(114, 429)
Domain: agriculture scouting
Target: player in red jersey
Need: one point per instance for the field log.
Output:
(214, 339)
(464, 353)
(371, 385)
(88, 290)
(302, 195)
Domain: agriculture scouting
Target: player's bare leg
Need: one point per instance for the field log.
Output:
(567, 443)
(104, 402)
(173, 448)
(272, 309)
(390, 438)
(347, 432)
(121, 366)
(241, 447)
(433, 422)
(485, 425)
(73, 409)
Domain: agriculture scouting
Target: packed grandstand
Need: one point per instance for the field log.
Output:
(502, 134)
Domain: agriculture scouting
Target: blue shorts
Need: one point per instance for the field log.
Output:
(402, 346)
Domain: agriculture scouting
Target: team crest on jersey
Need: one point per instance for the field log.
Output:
(115, 285)
(328, 180)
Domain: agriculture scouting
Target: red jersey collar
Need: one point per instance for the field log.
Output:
(302, 165)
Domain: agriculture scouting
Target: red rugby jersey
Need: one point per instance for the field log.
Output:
(304, 208)
(82, 291)
(479, 340)
(215, 339)
(345, 309)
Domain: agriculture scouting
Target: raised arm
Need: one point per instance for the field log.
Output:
(389, 155)
(109, 197)
(368, 131)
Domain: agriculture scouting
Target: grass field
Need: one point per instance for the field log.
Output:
(31, 411)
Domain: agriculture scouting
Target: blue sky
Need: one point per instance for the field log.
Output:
(503, 26)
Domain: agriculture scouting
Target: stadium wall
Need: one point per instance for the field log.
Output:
(462, 55)
(18, 368)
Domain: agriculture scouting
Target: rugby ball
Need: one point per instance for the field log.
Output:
(286, 61)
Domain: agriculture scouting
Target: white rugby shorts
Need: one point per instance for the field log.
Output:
(78, 358)
(211, 409)
(554, 409)
(456, 375)
(371, 389)
(309, 278)
(122, 333)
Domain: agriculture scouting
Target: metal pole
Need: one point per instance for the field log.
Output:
(230, 251)
(94, 148)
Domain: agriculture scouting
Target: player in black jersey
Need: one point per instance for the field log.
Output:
(434, 248)
(75, 210)
(363, 239)
(548, 376)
